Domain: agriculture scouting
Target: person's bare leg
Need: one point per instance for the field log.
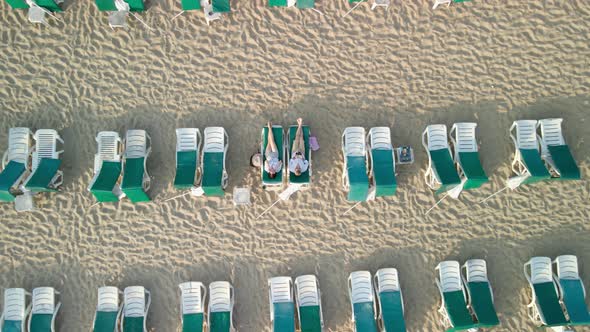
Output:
(299, 142)
(271, 145)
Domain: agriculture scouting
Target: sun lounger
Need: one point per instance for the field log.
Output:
(281, 3)
(192, 306)
(544, 309)
(362, 301)
(221, 6)
(382, 163)
(469, 167)
(107, 167)
(15, 310)
(309, 303)
(45, 175)
(354, 176)
(453, 306)
(15, 162)
(109, 5)
(573, 293)
(278, 132)
(481, 296)
(136, 180)
(221, 307)
(391, 301)
(135, 309)
(555, 152)
(303, 180)
(305, 4)
(441, 172)
(44, 309)
(527, 164)
(282, 306)
(108, 310)
(188, 142)
(215, 178)
(49, 5)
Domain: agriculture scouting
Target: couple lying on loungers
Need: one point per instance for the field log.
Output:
(297, 164)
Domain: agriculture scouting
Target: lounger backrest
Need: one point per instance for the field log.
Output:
(15, 304)
(214, 139)
(380, 138)
(354, 142)
(108, 145)
(567, 267)
(19, 141)
(192, 297)
(450, 276)
(465, 137)
(476, 270)
(43, 300)
(136, 143)
(551, 131)
(187, 139)
(45, 146)
(526, 134)
(541, 270)
(361, 287)
(108, 299)
(437, 137)
(220, 297)
(307, 291)
(387, 280)
(280, 289)
(134, 299)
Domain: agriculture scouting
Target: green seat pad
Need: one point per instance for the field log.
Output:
(132, 184)
(133, 324)
(304, 178)
(473, 170)
(310, 318)
(17, 4)
(192, 322)
(357, 178)
(573, 298)
(457, 309)
(8, 178)
(12, 326)
(305, 4)
(106, 5)
(445, 169)
(548, 304)
(107, 178)
(564, 162)
(213, 173)
(219, 321)
(364, 317)
(136, 5)
(105, 321)
(534, 164)
(190, 4)
(392, 311)
(284, 317)
(278, 135)
(384, 172)
(49, 5)
(42, 176)
(483, 304)
(221, 6)
(186, 168)
(277, 3)
(41, 323)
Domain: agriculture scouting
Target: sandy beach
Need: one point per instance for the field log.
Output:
(491, 62)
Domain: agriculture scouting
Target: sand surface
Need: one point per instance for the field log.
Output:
(487, 61)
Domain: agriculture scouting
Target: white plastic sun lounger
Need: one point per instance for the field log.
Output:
(46, 148)
(479, 289)
(362, 301)
(466, 155)
(15, 310)
(15, 161)
(214, 177)
(527, 164)
(555, 152)
(309, 303)
(441, 174)
(572, 290)
(135, 309)
(354, 176)
(382, 161)
(108, 310)
(221, 307)
(390, 316)
(192, 305)
(544, 308)
(188, 144)
(44, 309)
(108, 151)
(138, 145)
(136, 179)
(282, 304)
(453, 306)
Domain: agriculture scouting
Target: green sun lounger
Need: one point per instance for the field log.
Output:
(305, 177)
(105, 182)
(548, 302)
(454, 305)
(535, 166)
(42, 177)
(135, 309)
(284, 317)
(106, 318)
(360, 290)
(106, 5)
(220, 307)
(305, 4)
(282, 311)
(45, 175)
(441, 174)
(187, 151)
(527, 164)
(9, 178)
(44, 309)
(466, 156)
(215, 177)
(192, 298)
(382, 161)
(15, 310)
(190, 4)
(221, 6)
(481, 300)
(555, 152)
(277, 3)
(355, 164)
(15, 162)
(309, 306)
(544, 309)
(391, 306)
(133, 180)
(572, 290)
(277, 131)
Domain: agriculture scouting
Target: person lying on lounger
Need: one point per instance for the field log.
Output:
(298, 164)
(272, 164)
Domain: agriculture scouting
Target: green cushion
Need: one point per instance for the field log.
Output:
(457, 310)
(277, 3)
(136, 5)
(132, 184)
(105, 321)
(192, 322)
(221, 6)
(41, 179)
(17, 4)
(190, 4)
(105, 182)
(8, 179)
(364, 317)
(354, 1)
(106, 5)
(41, 323)
(483, 304)
(133, 324)
(304, 178)
(535, 165)
(445, 169)
(564, 162)
(284, 317)
(12, 326)
(49, 5)
(278, 134)
(305, 4)
(213, 173)
(573, 298)
(392, 311)
(186, 168)
(384, 172)
(548, 304)
(310, 318)
(473, 170)
(219, 321)
(357, 178)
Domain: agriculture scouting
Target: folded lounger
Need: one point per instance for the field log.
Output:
(527, 164)
(45, 175)
(309, 303)
(303, 180)
(215, 178)
(221, 307)
(108, 310)
(362, 301)
(544, 309)
(453, 308)
(555, 152)
(573, 293)
(277, 181)
(382, 168)
(15, 310)
(282, 305)
(44, 310)
(481, 296)
(135, 309)
(441, 172)
(107, 167)
(391, 301)
(136, 180)
(466, 156)
(188, 142)
(192, 306)
(354, 176)
(15, 162)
